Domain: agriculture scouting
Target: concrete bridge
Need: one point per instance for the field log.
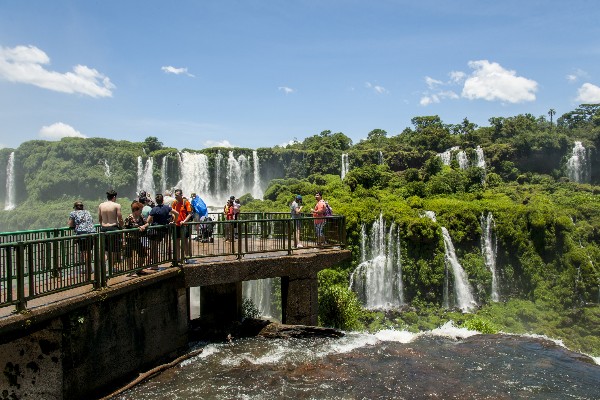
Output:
(99, 327)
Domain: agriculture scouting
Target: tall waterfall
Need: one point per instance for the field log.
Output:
(194, 172)
(10, 200)
(260, 292)
(489, 245)
(234, 174)
(578, 165)
(106, 168)
(218, 162)
(462, 289)
(163, 174)
(380, 157)
(344, 165)
(378, 280)
(480, 157)
(145, 179)
(257, 191)
(446, 156)
(463, 161)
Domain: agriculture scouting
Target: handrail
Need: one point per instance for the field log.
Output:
(39, 267)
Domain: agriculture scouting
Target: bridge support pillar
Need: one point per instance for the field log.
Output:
(221, 304)
(299, 300)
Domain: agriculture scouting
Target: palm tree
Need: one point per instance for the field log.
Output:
(551, 113)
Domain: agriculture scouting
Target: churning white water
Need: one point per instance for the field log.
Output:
(10, 199)
(145, 179)
(344, 165)
(377, 281)
(578, 165)
(257, 191)
(489, 247)
(194, 173)
(462, 289)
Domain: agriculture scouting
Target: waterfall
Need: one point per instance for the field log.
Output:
(218, 161)
(380, 158)
(260, 292)
(245, 169)
(10, 201)
(378, 280)
(145, 179)
(446, 156)
(234, 174)
(578, 165)
(257, 192)
(195, 177)
(462, 288)
(489, 245)
(480, 157)
(344, 165)
(363, 243)
(463, 161)
(163, 174)
(106, 168)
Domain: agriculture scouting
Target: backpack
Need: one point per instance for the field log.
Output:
(328, 210)
(199, 206)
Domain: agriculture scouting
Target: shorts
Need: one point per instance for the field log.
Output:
(112, 242)
(182, 229)
(86, 243)
(319, 228)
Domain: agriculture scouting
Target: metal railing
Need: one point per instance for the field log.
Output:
(44, 262)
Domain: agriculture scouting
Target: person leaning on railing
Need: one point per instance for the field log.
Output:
(160, 216)
(136, 241)
(319, 211)
(83, 224)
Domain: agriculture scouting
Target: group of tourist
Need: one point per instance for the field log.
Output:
(162, 211)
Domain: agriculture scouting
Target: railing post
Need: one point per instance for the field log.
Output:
(288, 234)
(103, 266)
(21, 303)
(236, 228)
(98, 256)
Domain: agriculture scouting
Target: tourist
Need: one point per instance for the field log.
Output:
(168, 199)
(134, 241)
(160, 216)
(111, 219)
(228, 213)
(319, 211)
(236, 214)
(83, 224)
(148, 205)
(296, 213)
(184, 210)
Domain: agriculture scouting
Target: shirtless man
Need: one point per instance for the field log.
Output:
(111, 219)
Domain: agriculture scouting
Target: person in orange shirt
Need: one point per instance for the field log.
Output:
(184, 208)
(319, 211)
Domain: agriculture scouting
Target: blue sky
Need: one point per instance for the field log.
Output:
(262, 73)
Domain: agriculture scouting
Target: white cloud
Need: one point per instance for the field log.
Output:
(59, 130)
(376, 88)
(25, 64)
(432, 83)
(588, 93)
(490, 81)
(457, 76)
(214, 143)
(286, 89)
(577, 75)
(428, 99)
(177, 71)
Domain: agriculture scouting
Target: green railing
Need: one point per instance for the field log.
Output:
(44, 262)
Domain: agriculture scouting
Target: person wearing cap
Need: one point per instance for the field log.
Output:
(83, 224)
(296, 212)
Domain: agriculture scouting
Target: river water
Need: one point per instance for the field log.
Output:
(446, 363)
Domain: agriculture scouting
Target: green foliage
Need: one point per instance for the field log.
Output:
(249, 309)
(339, 308)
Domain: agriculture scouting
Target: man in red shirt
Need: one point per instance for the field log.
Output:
(184, 208)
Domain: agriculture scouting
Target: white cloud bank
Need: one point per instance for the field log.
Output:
(59, 130)
(214, 143)
(588, 93)
(176, 71)
(488, 81)
(26, 64)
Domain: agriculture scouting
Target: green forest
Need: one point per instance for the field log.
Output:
(547, 221)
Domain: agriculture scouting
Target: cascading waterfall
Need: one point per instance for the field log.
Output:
(446, 156)
(378, 280)
(363, 243)
(218, 162)
(260, 292)
(489, 246)
(195, 176)
(257, 191)
(462, 289)
(480, 157)
(106, 168)
(380, 157)
(234, 174)
(145, 179)
(245, 169)
(10, 200)
(463, 161)
(344, 165)
(578, 165)
(163, 174)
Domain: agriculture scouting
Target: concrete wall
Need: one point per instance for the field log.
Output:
(96, 345)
